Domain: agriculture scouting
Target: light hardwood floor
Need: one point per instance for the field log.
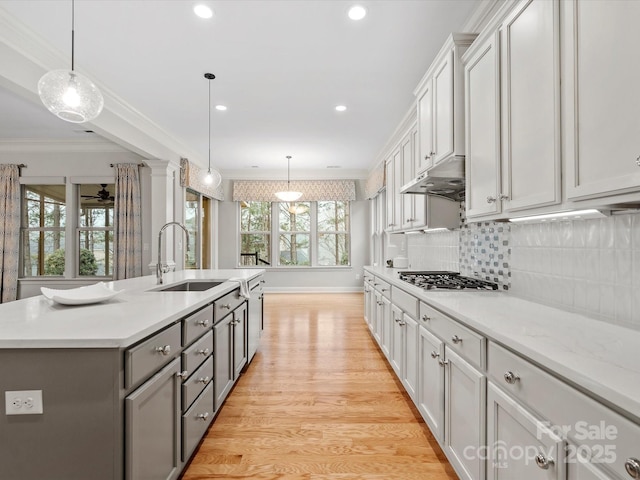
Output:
(318, 402)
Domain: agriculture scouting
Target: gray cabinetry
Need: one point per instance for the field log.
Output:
(152, 433)
(223, 372)
(254, 326)
(239, 332)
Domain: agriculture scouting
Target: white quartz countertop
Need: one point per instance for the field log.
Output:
(595, 356)
(123, 320)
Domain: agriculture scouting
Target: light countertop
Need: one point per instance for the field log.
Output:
(132, 315)
(595, 356)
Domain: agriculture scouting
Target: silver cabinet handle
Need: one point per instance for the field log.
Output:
(182, 374)
(543, 462)
(632, 465)
(380, 303)
(402, 324)
(203, 351)
(204, 323)
(426, 318)
(502, 196)
(442, 363)
(384, 289)
(491, 199)
(511, 377)
(227, 306)
(410, 220)
(392, 225)
(203, 416)
(434, 354)
(204, 380)
(396, 319)
(166, 350)
(638, 164)
(263, 281)
(456, 339)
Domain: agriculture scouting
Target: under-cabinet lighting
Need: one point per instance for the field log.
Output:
(554, 217)
(414, 232)
(431, 230)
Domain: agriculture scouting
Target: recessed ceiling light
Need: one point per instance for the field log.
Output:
(357, 12)
(203, 11)
(340, 108)
(222, 108)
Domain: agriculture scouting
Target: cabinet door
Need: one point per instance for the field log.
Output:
(223, 372)
(431, 383)
(398, 202)
(482, 114)
(580, 468)
(530, 106)
(520, 446)
(443, 109)
(411, 367)
(152, 441)
(419, 201)
(425, 128)
(255, 321)
(377, 330)
(390, 194)
(368, 293)
(602, 95)
(407, 175)
(465, 389)
(397, 341)
(384, 318)
(239, 339)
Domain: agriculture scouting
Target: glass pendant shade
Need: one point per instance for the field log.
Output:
(288, 196)
(70, 96)
(213, 178)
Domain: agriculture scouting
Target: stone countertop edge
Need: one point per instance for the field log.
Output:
(596, 357)
(119, 322)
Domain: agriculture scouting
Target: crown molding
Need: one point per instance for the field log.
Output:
(60, 145)
(306, 174)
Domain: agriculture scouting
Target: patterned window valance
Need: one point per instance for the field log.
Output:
(312, 190)
(192, 176)
(375, 181)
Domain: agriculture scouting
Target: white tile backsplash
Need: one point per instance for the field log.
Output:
(587, 266)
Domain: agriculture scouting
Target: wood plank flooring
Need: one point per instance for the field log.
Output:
(318, 402)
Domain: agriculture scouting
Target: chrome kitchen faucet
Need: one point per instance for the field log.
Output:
(160, 267)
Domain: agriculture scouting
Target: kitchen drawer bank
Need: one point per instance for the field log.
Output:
(133, 411)
(514, 389)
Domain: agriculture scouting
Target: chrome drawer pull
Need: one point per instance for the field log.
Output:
(204, 351)
(204, 323)
(203, 416)
(434, 354)
(543, 462)
(166, 350)
(632, 466)
(380, 303)
(456, 339)
(426, 318)
(182, 374)
(442, 363)
(227, 306)
(204, 380)
(511, 377)
(384, 289)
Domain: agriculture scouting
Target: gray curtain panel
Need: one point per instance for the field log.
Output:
(9, 231)
(128, 222)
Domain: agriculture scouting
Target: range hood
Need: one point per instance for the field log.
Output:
(444, 180)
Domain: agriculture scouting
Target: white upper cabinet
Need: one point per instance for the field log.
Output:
(440, 96)
(482, 162)
(601, 97)
(530, 82)
(512, 106)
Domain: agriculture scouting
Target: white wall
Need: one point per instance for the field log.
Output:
(338, 279)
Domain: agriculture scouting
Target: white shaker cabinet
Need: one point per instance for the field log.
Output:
(601, 97)
(414, 206)
(425, 127)
(431, 382)
(391, 220)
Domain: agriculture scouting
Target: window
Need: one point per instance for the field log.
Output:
(43, 230)
(255, 233)
(309, 234)
(95, 230)
(197, 218)
(51, 231)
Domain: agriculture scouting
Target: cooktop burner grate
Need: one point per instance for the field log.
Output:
(446, 280)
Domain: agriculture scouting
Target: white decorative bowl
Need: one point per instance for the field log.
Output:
(96, 293)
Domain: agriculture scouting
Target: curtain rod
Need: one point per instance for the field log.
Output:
(138, 164)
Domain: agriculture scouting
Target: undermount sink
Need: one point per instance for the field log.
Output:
(190, 286)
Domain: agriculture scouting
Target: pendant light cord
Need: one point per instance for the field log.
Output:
(288, 172)
(73, 22)
(209, 170)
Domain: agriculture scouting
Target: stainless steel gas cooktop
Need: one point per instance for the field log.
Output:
(445, 280)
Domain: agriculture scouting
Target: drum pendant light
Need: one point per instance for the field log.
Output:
(69, 95)
(211, 178)
(289, 195)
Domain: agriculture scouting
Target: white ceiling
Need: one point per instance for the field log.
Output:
(281, 67)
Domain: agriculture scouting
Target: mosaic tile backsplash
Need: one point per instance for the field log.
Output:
(587, 266)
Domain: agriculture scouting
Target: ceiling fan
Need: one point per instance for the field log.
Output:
(102, 195)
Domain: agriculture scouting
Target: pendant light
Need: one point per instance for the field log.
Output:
(69, 95)
(211, 178)
(289, 195)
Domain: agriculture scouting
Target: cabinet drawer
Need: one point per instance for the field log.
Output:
(196, 382)
(256, 281)
(581, 419)
(226, 304)
(383, 287)
(193, 356)
(196, 324)
(196, 421)
(407, 303)
(152, 354)
(464, 341)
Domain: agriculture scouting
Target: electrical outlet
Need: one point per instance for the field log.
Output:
(23, 402)
(357, 276)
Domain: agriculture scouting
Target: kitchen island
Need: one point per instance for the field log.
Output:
(129, 385)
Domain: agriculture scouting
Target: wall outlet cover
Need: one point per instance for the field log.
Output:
(23, 402)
